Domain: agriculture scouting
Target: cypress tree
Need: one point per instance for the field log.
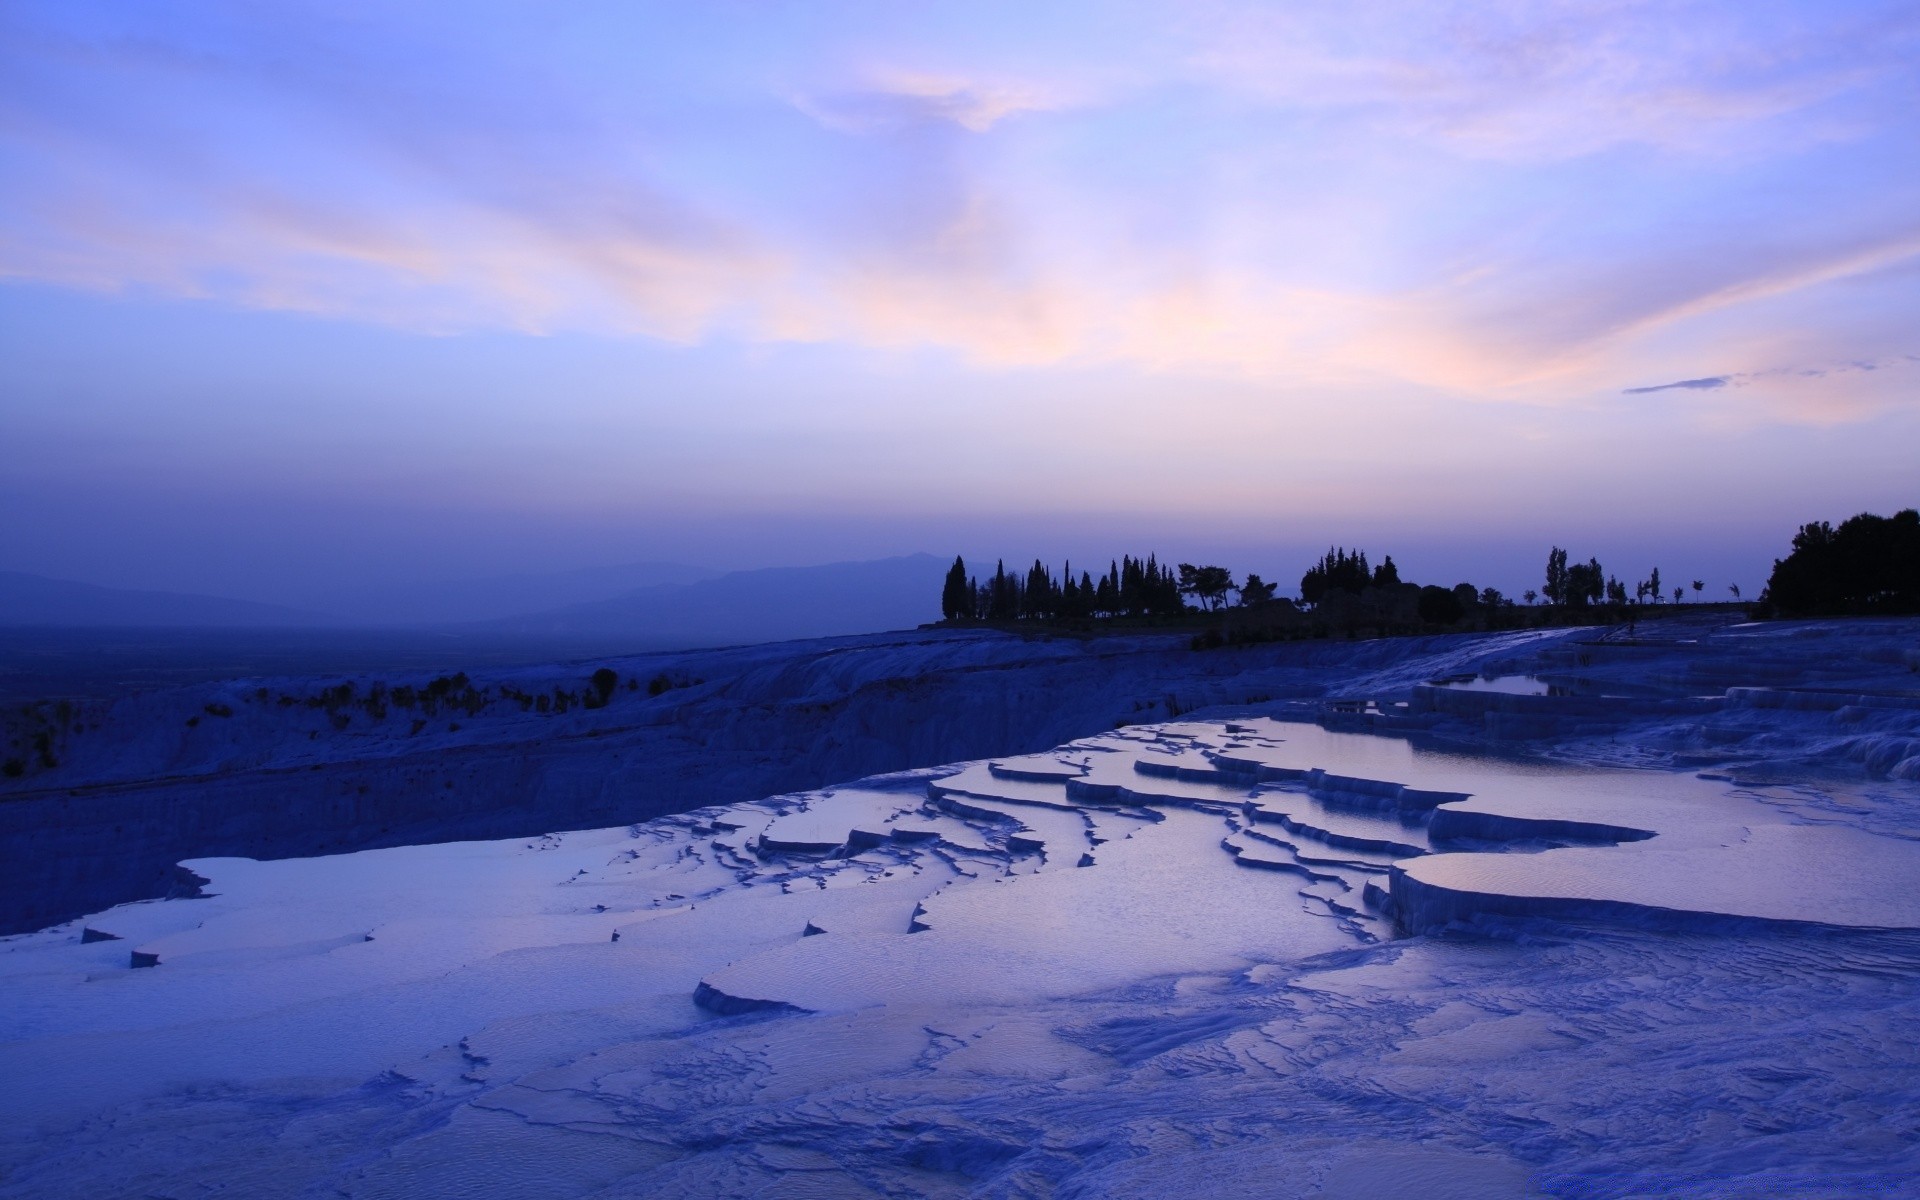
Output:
(956, 598)
(1130, 601)
(1038, 600)
(1005, 602)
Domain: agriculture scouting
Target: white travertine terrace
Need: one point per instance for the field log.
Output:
(1228, 941)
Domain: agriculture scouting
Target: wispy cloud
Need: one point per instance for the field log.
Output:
(1820, 394)
(1557, 81)
(1703, 384)
(1519, 204)
(904, 100)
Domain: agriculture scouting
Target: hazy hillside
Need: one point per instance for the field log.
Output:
(756, 606)
(37, 600)
(440, 602)
(677, 606)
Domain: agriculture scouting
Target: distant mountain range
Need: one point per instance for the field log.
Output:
(36, 600)
(641, 605)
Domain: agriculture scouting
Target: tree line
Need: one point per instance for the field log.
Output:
(1584, 585)
(1145, 588)
(1342, 587)
(1868, 564)
(1130, 588)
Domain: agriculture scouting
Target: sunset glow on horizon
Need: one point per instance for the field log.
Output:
(755, 283)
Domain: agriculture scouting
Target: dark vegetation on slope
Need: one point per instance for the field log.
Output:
(34, 736)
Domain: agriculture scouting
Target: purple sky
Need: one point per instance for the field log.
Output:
(302, 292)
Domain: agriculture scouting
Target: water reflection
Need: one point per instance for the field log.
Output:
(1524, 685)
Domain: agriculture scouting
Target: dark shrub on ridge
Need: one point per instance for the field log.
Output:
(1438, 606)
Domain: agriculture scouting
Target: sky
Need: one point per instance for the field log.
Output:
(304, 297)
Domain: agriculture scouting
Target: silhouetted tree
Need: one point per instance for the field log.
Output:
(956, 598)
(1699, 585)
(1584, 583)
(1133, 600)
(1070, 605)
(1530, 595)
(1168, 592)
(1209, 585)
(1086, 596)
(1255, 592)
(1039, 597)
(1386, 574)
(1870, 564)
(1556, 585)
(1003, 603)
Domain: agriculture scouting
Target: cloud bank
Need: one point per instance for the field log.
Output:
(1517, 204)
